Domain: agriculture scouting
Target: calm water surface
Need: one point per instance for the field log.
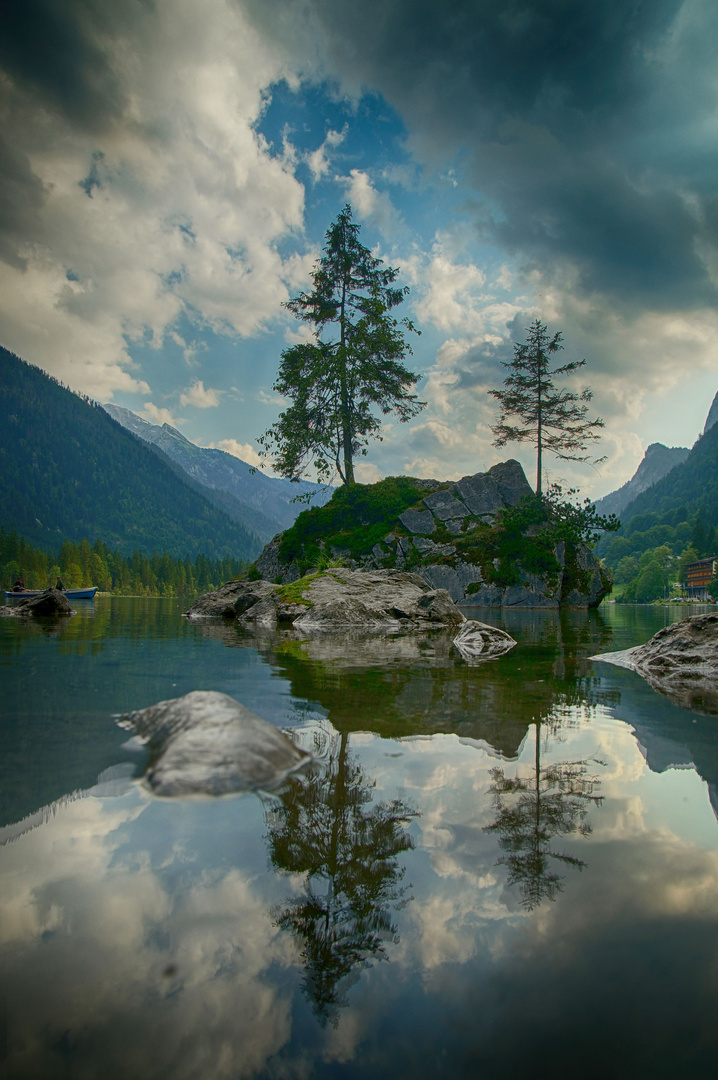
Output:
(500, 870)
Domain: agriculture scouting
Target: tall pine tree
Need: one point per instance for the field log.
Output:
(353, 368)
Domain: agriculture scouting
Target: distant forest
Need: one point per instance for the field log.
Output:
(80, 564)
(67, 469)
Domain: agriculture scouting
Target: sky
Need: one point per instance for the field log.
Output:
(169, 168)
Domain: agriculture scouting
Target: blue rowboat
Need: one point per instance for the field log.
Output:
(71, 594)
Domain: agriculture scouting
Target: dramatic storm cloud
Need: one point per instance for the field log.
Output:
(167, 172)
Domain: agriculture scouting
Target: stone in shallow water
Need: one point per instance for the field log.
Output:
(206, 743)
(680, 661)
(479, 641)
(49, 602)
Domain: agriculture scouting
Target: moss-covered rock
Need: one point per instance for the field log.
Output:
(485, 539)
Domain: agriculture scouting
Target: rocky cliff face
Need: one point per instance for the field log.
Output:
(658, 461)
(448, 538)
(712, 417)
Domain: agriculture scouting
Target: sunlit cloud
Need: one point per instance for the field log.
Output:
(200, 396)
(244, 451)
(157, 415)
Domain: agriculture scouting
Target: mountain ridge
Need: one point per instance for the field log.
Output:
(657, 462)
(271, 497)
(68, 470)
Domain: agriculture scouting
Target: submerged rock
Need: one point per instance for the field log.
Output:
(206, 743)
(680, 661)
(479, 641)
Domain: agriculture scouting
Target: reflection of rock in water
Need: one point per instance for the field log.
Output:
(329, 829)
(551, 801)
(416, 684)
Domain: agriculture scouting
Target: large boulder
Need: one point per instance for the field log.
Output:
(48, 603)
(387, 601)
(511, 481)
(680, 661)
(230, 600)
(206, 743)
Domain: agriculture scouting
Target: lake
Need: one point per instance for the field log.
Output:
(498, 870)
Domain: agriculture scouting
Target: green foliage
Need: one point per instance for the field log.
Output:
(550, 419)
(713, 587)
(526, 536)
(627, 569)
(80, 564)
(353, 520)
(354, 366)
(649, 577)
(67, 469)
(293, 592)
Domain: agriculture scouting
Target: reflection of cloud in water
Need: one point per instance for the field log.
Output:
(140, 940)
(601, 964)
(114, 975)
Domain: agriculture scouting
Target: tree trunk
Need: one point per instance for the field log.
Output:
(538, 428)
(346, 413)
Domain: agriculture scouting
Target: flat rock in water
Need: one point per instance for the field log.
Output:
(680, 661)
(378, 600)
(479, 641)
(206, 743)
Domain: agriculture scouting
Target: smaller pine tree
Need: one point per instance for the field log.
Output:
(551, 419)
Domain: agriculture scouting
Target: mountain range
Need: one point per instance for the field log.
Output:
(264, 504)
(671, 509)
(658, 461)
(69, 471)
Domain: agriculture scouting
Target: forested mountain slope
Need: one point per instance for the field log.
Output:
(657, 462)
(268, 497)
(68, 470)
(693, 484)
(666, 513)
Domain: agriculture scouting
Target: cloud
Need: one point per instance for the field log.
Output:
(370, 204)
(201, 398)
(135, 185)
(575, 133)
(157, 415)
(245, 451)
(318, 160)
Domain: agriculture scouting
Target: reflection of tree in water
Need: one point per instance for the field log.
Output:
(553, 801)
(329, 829)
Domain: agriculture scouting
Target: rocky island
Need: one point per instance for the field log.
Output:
(482, 538)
